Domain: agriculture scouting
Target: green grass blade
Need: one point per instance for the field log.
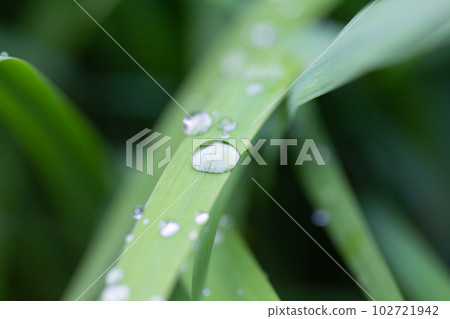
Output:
(420, 272)
(66, 152)
(157, 277)
(328, 189)
(378, 36)
(233, 274)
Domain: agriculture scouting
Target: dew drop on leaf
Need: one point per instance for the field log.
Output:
(254, 89)
(196, 124)
(226, 124)
(320, 218)
(206, 292)
(138, 212)
(201, 218)
(4, 54)
(217, 157)
(129, 238)
(113, 276)
(169, 229)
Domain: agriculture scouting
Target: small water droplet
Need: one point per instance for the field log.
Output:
(158, 298)
(4, 54)
(145, 221)
(169, 229)
(138, 212)
(262, 35)
(232, 63)
(129, 238)
(199, 123)
(239, 292)
(226, 124)
(193, 235)
(215, 113)
(224, 135)
(254, 88)
(206, 292)
(320, 218)
(217, 157)
(114, 276)
(116, 293)
(201, 218)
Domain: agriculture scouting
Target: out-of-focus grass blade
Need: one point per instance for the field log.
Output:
(65, 150)
(329, 191)
(419, 270)
(233, 274)
(182, 191)
(381, 34)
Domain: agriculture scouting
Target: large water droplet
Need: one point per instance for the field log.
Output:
(4, 54)
(116, 293)
(114, 276)
(218, 157)
(262, 35)
(227, 124)
(138, 212)
(197, 124)
(254, 88)
(206, 292)
(169, 229)
(201, 218)
(320, 218)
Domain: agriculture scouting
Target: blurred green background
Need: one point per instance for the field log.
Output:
(390, 128)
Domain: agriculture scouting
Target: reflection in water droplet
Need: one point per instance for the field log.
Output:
(201, 218)
(226, 124)
(224, 135)
(116, 293)
(239, 292)
(262, 35)
(199, 123)
(4, 54)
(158, 298)
(254, 88)
(129, 238)
(217, 157)
(320, 218)
(138, 212)
(206, 292)
(113, 276)
(169, 229)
